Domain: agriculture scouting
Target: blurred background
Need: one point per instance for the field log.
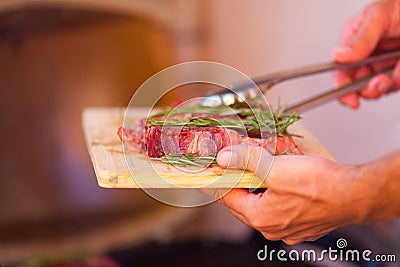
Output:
(59, 56)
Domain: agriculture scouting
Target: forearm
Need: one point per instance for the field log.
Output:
(380, 182)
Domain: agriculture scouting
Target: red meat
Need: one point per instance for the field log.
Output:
(158, 141)
(281, 145)
(195, 140)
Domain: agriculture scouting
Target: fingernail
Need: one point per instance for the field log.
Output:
(228, 158)
(342, 50)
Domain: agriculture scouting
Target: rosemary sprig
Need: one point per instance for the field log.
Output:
(197, 122)
(222, 110)
(284, 152)
(282, 123)
(251, 120)
(189, 159)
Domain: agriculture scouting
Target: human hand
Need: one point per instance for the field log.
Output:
(307, 196)
(375, 30)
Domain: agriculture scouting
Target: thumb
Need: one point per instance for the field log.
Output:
(252, 158)
(361, 36)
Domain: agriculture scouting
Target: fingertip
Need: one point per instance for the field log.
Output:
(342, 54)
(224, 158)
(379, 85)
(351, 100)
(346, 54)
(230, 157)
(253, 158)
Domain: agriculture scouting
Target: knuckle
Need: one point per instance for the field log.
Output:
(257, 224)
(271, 236)
(292, 242)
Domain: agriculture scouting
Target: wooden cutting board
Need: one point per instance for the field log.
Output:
(100, 125)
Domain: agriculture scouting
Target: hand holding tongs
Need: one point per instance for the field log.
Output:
(246, 91)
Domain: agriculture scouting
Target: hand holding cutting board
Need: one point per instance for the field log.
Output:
(309, 196)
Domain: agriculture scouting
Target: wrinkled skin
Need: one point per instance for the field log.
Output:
(310, 196)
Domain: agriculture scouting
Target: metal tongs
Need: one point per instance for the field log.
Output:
(245, 91)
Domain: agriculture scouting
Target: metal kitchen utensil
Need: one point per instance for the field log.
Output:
(247, 91)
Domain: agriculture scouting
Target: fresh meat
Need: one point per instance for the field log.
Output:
(158, 140)
(133, 138)
(281, 145)
(286, 145)
(195, 140)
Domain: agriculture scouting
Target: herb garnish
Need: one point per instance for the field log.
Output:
(235, 118)
(250, 120)
(190, 159)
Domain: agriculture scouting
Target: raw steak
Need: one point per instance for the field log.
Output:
(158, 141)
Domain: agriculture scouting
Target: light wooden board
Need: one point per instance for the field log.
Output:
(100, 125)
